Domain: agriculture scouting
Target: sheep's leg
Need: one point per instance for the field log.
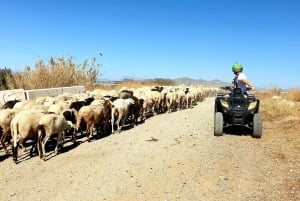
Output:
(3, 139)
(88, 132)
(63, 138)
(112, 123)
(123, 122)
(43, 147)
(105, 126)
(33, 148)
(92, 128)
(73, 130)
(58, 142)
(22, 146)
(39, 145)
(15, 150)
(118, 123)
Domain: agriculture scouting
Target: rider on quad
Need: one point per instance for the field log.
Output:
(237, 108)
(240, 80)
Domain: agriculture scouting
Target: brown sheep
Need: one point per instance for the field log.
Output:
(94, 116)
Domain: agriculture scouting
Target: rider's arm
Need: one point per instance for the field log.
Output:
(247, 83)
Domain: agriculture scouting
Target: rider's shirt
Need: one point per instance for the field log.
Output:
(241, 76)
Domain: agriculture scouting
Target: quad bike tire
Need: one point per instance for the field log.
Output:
(257, 126)
(218, 124)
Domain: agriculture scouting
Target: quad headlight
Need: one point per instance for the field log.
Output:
(252, 105)
(224, 103)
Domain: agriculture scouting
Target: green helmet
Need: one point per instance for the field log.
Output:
(237, 67)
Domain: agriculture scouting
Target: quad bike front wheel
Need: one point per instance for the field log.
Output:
(218, 124)
(257, 126)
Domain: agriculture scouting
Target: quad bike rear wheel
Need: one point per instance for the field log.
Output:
(257, 126)
(218, 127)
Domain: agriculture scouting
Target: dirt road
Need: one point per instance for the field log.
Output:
(171, 156)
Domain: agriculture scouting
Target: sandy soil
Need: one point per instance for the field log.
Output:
(171, 156)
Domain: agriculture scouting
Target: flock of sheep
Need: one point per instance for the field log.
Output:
(98, 111)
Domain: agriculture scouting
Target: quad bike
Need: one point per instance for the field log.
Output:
(237, 109)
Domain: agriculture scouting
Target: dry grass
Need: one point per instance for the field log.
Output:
(280, 106)
(281, 124)
(57, 73)
(293, 95)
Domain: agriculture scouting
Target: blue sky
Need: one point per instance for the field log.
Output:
(158, 38)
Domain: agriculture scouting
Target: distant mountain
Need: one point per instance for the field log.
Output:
(209, 83)
(177, 81)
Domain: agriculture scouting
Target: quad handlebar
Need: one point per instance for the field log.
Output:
(230, 88)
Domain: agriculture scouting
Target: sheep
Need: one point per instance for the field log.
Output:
(24, 125)
(135, 110)
(71, 115)
(9, 104)
(78, 104)
(48, 125)
(190, 98)
(156, 98)
(45, 100)
(146, 110)
(65, 97)
(126, 94)
(58, 108)
(30, 105)
(97, 102)
(181, 98)
(6, 116)
(120, 108)
(157, 88)
(199, 94)
(94, 116)
(171, 101)
(24, 104)
(98, 93)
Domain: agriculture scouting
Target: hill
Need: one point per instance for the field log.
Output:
(210, 83)
(177, 81)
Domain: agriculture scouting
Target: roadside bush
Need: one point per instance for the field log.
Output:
(56, 73)
(280, 106)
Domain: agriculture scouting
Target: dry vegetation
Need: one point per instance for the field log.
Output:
(281, 121)
(281, 107)
(56, 73)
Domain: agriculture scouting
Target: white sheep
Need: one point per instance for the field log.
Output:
(171, 101)
(23, 125)
(120, 109)
(30, 105)
(48, 125)
(58, 108)
(6, 115)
